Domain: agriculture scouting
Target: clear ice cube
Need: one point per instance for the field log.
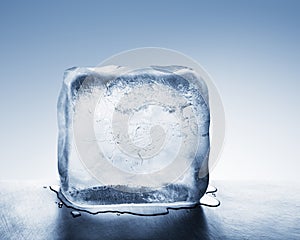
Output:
(133, 136)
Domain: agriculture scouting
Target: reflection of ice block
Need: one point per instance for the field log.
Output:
(133, 136)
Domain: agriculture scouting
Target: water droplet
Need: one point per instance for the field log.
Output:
(211, 189)
(44, 186)
(75, 214)
(209, 201)
(60, 204)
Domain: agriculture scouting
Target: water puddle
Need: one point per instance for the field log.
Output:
(207, 200)
(75, 214)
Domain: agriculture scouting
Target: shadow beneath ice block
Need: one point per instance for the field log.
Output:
(178, 224)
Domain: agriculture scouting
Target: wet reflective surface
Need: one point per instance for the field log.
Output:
(247, 211)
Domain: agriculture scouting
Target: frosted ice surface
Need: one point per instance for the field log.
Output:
(133, 135)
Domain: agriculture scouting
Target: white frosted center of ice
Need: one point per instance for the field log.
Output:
(141, 129)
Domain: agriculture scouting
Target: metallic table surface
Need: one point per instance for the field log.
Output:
(248, 211)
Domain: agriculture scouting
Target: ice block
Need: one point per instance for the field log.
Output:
(133, 137)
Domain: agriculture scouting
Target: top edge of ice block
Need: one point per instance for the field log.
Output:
(112, 71)
(115, 69)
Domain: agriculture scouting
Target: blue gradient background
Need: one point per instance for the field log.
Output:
(250, 48)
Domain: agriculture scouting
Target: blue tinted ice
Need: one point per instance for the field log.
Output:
(133, 136)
